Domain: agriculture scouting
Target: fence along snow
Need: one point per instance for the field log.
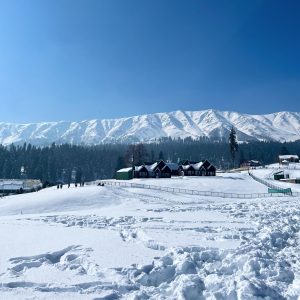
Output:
(273, 189)
(195, 192)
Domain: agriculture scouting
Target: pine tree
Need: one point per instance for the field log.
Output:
(136, 154)
(242, 157)
(233, 145)
(161, 155)
(284, 150)
(120, 163)
(152, 156)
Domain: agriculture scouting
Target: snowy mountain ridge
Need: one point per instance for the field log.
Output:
(280, 126)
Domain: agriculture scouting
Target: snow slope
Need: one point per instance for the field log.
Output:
(127, 243)
(281, 126)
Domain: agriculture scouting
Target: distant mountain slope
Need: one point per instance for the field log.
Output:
(281, 126)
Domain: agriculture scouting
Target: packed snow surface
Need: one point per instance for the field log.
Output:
(109, 242)
(281, 126)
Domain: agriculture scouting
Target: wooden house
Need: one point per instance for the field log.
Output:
(160, 169)
(202, 168)
(174, 168)
(188, 170)
(165, 172)
(211, 170)
(141, 172)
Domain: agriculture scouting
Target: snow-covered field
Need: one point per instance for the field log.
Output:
(223, 182)
(293, 170)
(110, 243)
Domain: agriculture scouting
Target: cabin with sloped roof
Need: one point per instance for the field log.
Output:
(211, 170)
(141, 172)
(188, 170)
(161, 170)
(174, 168)
(202, 168)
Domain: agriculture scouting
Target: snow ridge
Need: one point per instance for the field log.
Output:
(280, 126)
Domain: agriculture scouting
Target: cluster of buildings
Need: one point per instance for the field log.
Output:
(289, 173)
(286, 159)
(19, 186)
(162, 169)
(251, 164)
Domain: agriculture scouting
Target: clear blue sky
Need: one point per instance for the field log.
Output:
(75, 60)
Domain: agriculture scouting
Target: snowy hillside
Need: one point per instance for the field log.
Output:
(281, 126)
(110, 242)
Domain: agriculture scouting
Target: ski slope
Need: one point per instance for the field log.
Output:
(109, 242)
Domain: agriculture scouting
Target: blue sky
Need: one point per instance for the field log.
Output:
(75, 60)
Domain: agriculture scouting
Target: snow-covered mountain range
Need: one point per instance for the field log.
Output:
(281, 126)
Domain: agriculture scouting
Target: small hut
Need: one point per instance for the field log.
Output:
(124, 174)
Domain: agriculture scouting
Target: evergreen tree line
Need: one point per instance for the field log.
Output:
(60, 162)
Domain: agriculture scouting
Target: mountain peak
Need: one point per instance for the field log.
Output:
(279, 126)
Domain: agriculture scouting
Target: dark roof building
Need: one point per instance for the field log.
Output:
(141, 172)
(161, 169)
(202, 168)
